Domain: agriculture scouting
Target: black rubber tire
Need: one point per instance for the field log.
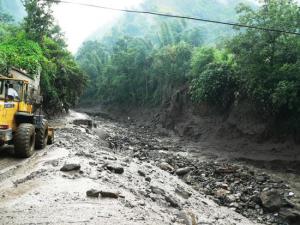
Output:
(24, 140)
(41, 136)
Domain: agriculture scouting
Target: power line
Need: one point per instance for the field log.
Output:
(176, 16)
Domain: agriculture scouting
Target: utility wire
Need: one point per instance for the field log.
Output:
(176, 16)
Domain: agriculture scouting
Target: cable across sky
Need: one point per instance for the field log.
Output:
(177, 16)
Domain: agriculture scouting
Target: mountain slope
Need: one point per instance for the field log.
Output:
(138, 25)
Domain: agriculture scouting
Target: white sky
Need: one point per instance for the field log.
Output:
(79, 22)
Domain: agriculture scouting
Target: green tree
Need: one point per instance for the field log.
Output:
(170, 69)
(213, 77)
(268, 62)
(39, 20)
(21, 53)
(92, 57)
(61, 79)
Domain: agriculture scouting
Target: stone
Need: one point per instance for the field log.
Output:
(70, 167)
(225, 170)
(183, 193)
(93, 193)
(183, 171)
(115, 169)
(221, 193)
(222, 185)
(166, 167)
(272, 200)
(54, 163)
(109, 194)
(172, 200)
(141, 173)
(234, 205)
(231, 198)
(157, 190)
(86, 122)
(261, 178)
(101, 133)
(141, 203)
(189, 218)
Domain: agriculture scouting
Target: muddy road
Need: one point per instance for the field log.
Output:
(125, 173)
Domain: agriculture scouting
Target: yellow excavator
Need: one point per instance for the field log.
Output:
(21, 121)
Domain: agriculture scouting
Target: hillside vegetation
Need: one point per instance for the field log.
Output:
(37, 45)
(143, 60)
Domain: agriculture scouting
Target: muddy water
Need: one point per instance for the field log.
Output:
(35, 191)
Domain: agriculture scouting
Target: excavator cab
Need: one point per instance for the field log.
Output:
(20, 124)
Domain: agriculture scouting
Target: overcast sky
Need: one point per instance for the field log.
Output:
(79, 22)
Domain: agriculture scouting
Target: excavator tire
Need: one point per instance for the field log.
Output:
(41, 136)
(24, 140)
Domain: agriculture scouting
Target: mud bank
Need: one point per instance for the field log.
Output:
(36, 191)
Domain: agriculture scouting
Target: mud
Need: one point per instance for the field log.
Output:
(244, 178)
(36, 191)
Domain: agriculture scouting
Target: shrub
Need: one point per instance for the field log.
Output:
(216, 85)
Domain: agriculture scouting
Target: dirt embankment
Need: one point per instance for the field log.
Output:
(239, 133)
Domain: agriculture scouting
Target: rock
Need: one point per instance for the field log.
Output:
(115, 169)
(261, 178)
(292, 216)
(234, 205)
(129, 204)
(141, 203)
(221, 193)
(54, 163)
(109, 194)
(166, 167)
(231, 198)
(183, 193)
(70, 167)
(101, 133)
(188, 218)
(222, 185)
(148, 179)
(85, 122)
(141, 173)
(272, 200)
(157, 190)
(183, 171)
(93, 193)
(172, 200)
(225, 170)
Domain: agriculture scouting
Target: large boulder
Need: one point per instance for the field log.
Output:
(272, 200)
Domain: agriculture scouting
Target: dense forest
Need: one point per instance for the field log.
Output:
(143, 60)
(37, 45)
